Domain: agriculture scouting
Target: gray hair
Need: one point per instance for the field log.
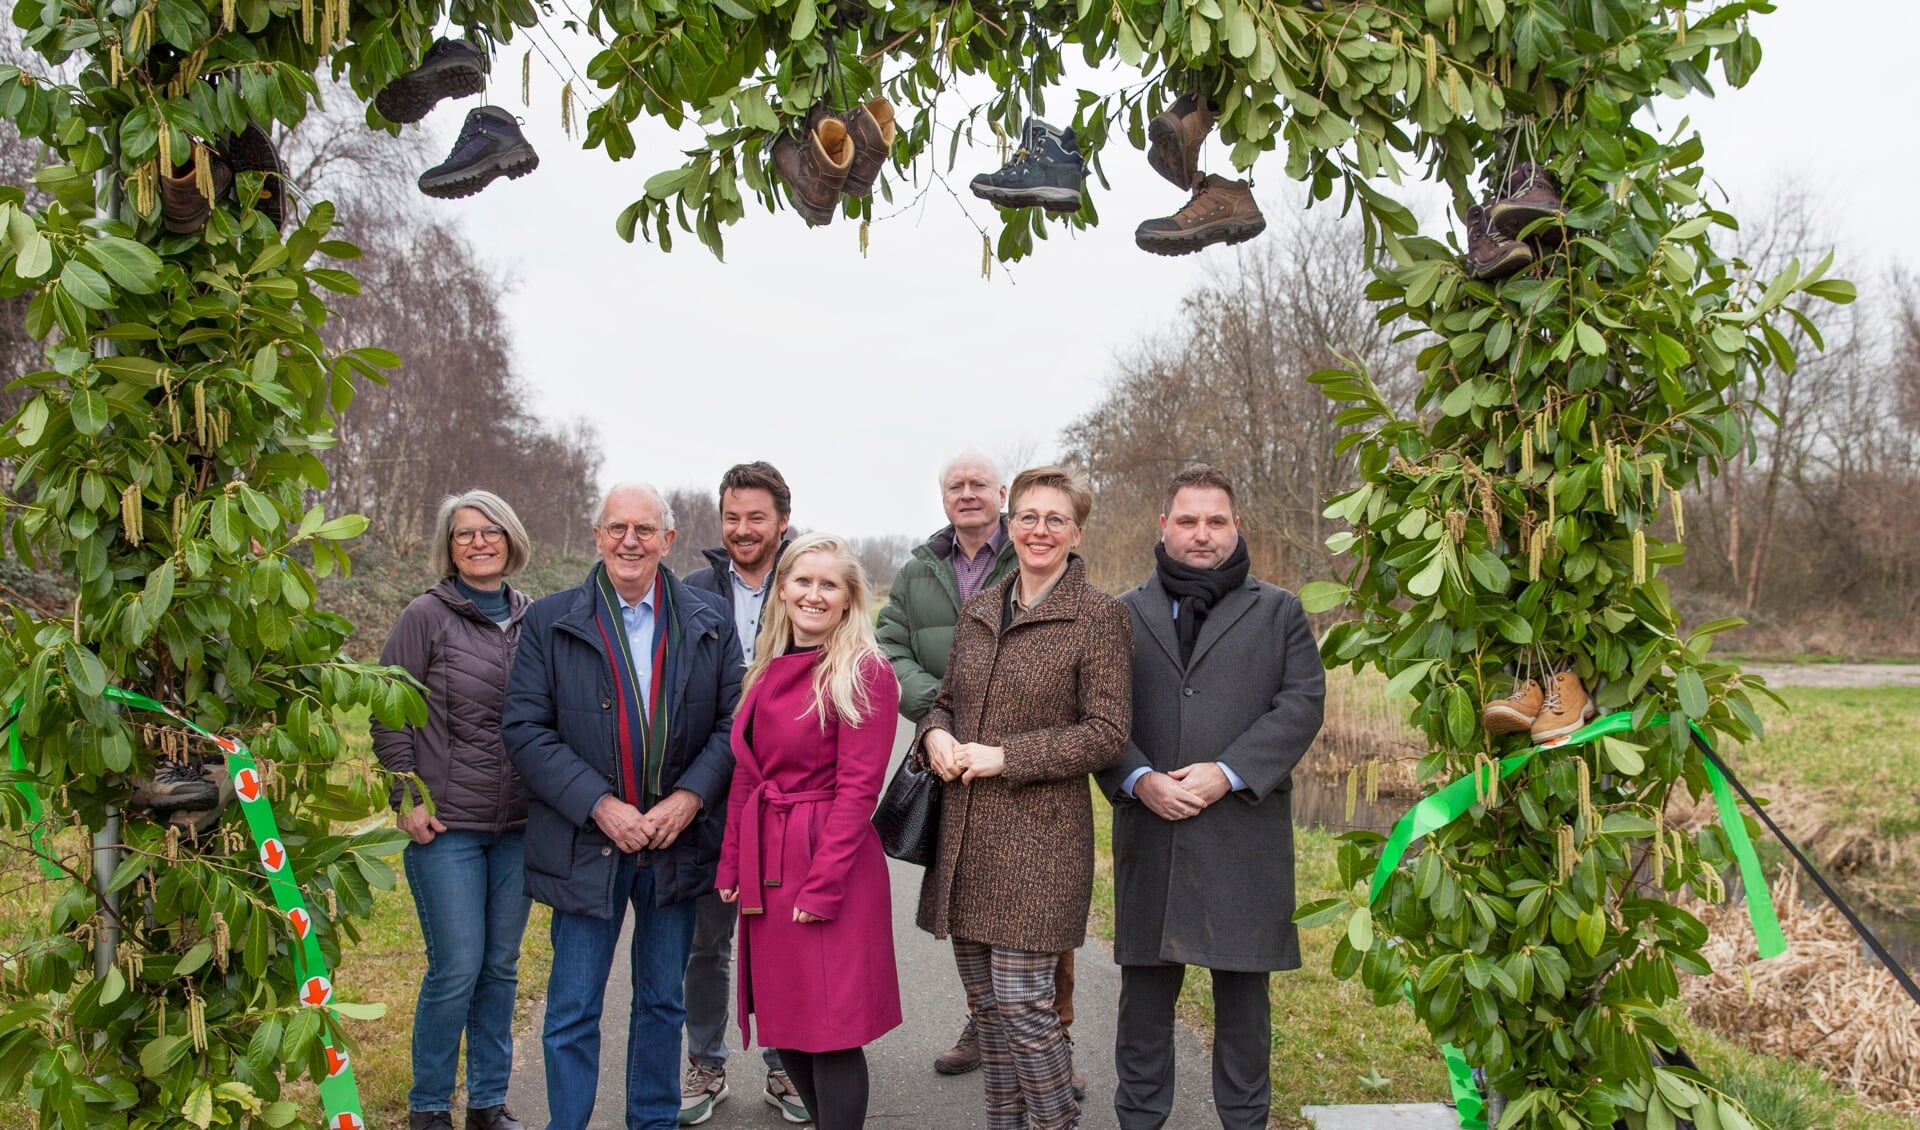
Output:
(659, 500)
(519, 549)
(972, 458)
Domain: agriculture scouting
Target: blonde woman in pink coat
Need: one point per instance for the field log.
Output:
(811, 740)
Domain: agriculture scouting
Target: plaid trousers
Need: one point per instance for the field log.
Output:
(1024, 1057)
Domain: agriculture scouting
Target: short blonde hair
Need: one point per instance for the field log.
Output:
(1073, 484)
(519, 549)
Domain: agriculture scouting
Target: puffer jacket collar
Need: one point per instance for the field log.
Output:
(449, 594)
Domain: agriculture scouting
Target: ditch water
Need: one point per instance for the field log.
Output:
(1322, 803)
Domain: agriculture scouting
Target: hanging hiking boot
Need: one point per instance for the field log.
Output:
(1515, 713)
(1174, 138)
(490, 146)
(1221, 211)
(183, 207)
(1491, 255)
(252, 152)
(451, 68)
(871, 128)
(1532, 194)
(176, 785)
(1045, 172)
(814, 166)
(1565, 709)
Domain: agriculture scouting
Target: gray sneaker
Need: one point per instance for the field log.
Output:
(702, 1089)
(783, 1097)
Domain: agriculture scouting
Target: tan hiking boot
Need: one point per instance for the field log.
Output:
(963, 1056)
(871, 127)
(1174, 139)
(1565, 710)
(1221, 211)
(1515, 713)
(814, 166)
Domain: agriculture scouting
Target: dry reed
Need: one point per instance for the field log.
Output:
(1822, 1002)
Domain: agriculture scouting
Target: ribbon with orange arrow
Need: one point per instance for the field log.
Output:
(339, 1094)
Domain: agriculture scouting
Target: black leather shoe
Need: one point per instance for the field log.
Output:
(429, 1120)
(492, 1118)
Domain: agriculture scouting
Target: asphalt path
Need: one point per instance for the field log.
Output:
(906, 1091)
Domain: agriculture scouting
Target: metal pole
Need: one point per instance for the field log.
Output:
(106, 841)
(106, 859)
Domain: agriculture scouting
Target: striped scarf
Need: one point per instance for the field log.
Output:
(642, 726)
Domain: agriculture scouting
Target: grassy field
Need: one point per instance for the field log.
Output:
(1842, 769)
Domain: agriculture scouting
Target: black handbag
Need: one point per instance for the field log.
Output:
(908, 818)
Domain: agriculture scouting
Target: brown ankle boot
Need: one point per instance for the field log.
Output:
(871, 127)
(815, 167)
(1174, 139)
(183, 208)
(1221, 211)
(1491, 255)
(1532, 194)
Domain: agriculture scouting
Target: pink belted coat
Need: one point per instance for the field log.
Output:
(800, 833)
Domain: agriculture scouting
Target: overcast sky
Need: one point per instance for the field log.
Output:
(857, 376)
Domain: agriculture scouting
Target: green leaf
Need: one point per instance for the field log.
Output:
(136, 370)
(1589, 339)
(89, 675)
(805, 17)
(196, 957)
(1677, 1091)
(113, 986)
(130, 264)
(1319, 913)
(35, 259)
(85, 285)
(1403, 683)
(1360, 930)
(1320, 596)
(344, 528)
(1624, 756)
(1427, 581)
(158, 1057)
(198, 1109)
(1692, 691)
(353, 1010)
(89, 410)
(1591, 929)
(277, 1114)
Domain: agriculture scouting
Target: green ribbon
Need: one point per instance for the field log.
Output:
(1456, 799)
(339, 1094)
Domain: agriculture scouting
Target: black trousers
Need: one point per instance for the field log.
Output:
(833, 1085)
(1143, 1053)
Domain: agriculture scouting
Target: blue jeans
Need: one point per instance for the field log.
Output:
(582, 957)
(468, 890)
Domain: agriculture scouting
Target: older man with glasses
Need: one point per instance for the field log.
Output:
(619, 714)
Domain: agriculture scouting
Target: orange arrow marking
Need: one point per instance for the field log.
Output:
(273, 856)
(302, 921)
(336, 1062)
(317, 991)
(347, 1121)
(247, 784)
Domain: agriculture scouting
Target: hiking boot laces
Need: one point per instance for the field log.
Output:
(471, 142)
(1192, 210)
(178, 773)
(1551, 704)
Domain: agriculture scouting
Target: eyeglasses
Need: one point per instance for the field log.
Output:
(1030, 520)
(488, 534)
(618, 531)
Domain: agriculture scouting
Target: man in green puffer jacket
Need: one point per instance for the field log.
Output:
(973, 552)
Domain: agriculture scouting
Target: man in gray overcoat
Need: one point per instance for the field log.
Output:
(1227, 695)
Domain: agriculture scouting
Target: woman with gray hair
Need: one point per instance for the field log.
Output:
(456, 795)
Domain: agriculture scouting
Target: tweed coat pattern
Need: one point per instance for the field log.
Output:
(1215, 889)
(1015, 866)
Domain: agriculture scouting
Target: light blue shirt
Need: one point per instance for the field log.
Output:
(1233, 779)
(638, 619)
(748, 602)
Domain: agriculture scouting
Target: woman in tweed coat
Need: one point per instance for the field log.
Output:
(1038, 694)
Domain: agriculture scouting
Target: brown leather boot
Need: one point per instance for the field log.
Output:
(1515, 713)
(963, 1056)
(871, 127)
(1566, 709)
(1221, 211)
(815, 166)
(1532, 194)
(1491, 255)
(1174, 138)
(183, 210)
